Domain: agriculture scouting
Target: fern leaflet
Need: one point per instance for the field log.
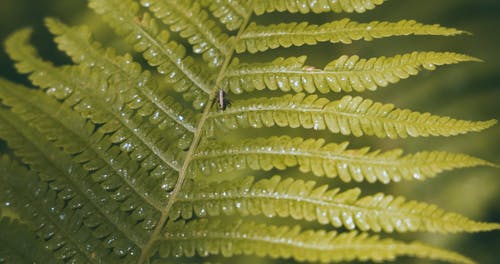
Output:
(330, 160)
(216, 237)
(302, 200)
(347, 73)
(349, 115)
(257, 38)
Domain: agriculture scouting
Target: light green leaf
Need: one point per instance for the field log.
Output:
(330, 160)
(258, 38)
(306, 6)
(209, 237)
(193, 23)
(231, 13)
(302, 200)
(348, 116)
(345, 74)
(168, 56)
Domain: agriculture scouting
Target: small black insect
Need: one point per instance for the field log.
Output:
(222, 101)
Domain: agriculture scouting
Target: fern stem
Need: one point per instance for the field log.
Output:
(192, 149)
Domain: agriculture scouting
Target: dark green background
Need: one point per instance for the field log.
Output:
(468, 91)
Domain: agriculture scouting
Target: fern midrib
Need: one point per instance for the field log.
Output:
(347, 242)
(449, 125)
(331, 203)
(312, 154)
(194, 145)
(370, 66)
(342, 72)
(279, 70)
(356, 243)
(359, 28)
(396, 161)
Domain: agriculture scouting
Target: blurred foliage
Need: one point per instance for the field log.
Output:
(467, 91)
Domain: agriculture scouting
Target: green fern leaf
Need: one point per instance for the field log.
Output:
(193, 23)
(231, 13)
(91, 96)
(143, 95)
(27, 61)
(20, 246)
(258, 38)
(330, 160)
(305, 6)
(133, 134)
(71, 133)
(170, 57)
(60, 221)
(235, 238)
(302, 200)
(349, 115)
(345, 74)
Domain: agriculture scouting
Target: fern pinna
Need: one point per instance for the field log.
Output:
(112, 159)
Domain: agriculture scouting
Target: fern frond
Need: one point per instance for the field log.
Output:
(170, 57)
(231, 13)
(30, 104)
(141, 93)
(259, 38)
(205, 237)
(330, 160)
(306, 6)
(19, 245)
(144, 142)
(82, 215)
(65, 223)
(27, 61)
(194, 24)
(302, 200)
(95, 97)
(347, 73)
(349, 115)
(138, 195)
(114, 170)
